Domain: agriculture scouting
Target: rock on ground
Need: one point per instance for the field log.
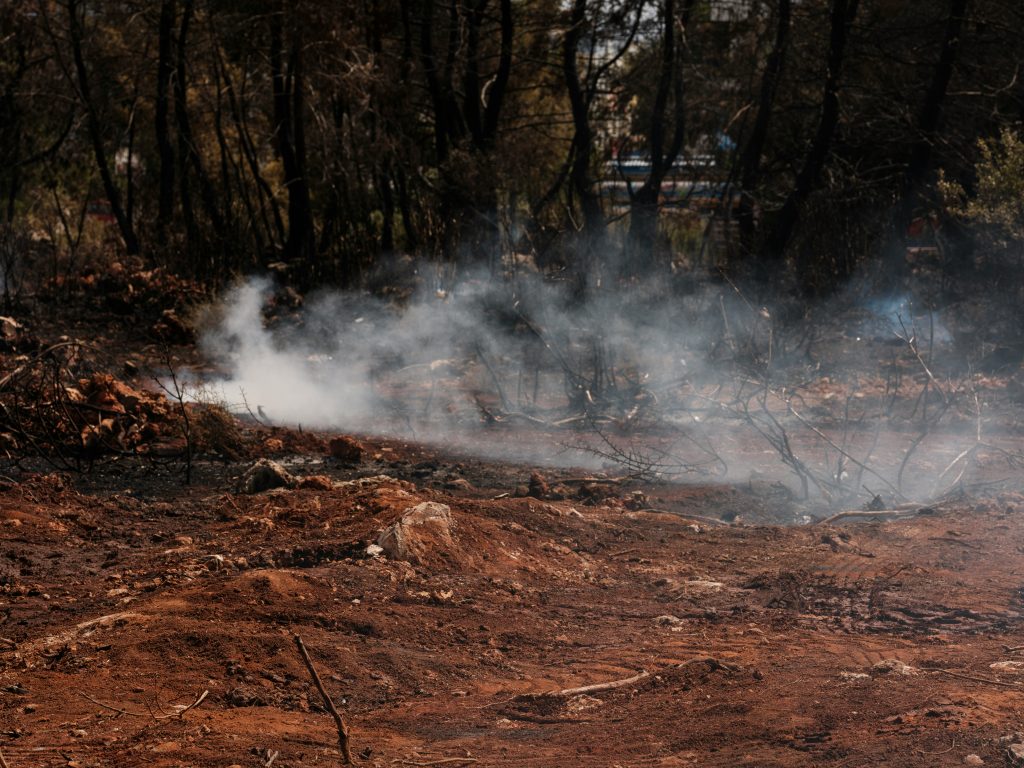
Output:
(421, 530)
(265, 475)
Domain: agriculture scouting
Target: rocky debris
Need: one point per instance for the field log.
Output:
(171, 329)
(362, 483)
(852, 677)
(458, 484)
(265, 475)
(892, 667)
(973, 760)
(637, 500)
(1012, 667)
(245, 696)
(538, 488)
(1015, 754)
(422, 529)
(346, 449)
(315, 483)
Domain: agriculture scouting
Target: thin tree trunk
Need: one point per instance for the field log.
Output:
(165, 69)
(643, 211)
(131, 241)
(843, 13)
(287, 81)
(750, 162)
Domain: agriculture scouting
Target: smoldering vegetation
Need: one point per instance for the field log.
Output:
(862, 401)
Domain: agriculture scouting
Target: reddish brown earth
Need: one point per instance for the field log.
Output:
(125, 595)
(140, 601)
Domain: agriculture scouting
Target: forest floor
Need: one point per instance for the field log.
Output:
(146, 622)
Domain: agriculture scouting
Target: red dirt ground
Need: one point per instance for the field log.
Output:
(116, 601)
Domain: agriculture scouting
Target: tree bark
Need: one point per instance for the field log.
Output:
(843, 13)
(644, 206)
(165, 69)
(131, 241)
(750, 162)
(289, 108)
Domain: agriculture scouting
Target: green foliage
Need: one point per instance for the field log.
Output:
(998, 200)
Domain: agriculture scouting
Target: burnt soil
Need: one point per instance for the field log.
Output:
(133, 601)
(125, 594)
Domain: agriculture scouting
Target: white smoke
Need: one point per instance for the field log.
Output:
(441, 365)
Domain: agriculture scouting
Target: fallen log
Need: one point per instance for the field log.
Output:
(896, 512)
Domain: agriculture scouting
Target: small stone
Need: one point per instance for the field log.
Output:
(167, 746)
(346, 449)
(851, 677)
(79, 733)
(374, 550)
(1015, 754)
(1013, 667)
(973, 760)
(29, 708)
(893, 667)
(316, 483)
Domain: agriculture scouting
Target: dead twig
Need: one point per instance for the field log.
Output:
(443, 761)
(597, 687)
(972, 678)
(113, 708)
(3, 761)
(688, 516)
(41, 355)
(952, 746)
(198, 700)
(180, 713)
(339, 721)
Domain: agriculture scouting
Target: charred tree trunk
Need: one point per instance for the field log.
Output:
(643, 252)
(750, 162)
(843, 13)
(289, 130)
(165, 69)
(131, 241)
(927, 130)
(190, 161)
(591, 228)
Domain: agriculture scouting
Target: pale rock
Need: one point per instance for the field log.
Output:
(265, 475)
(424, 528)
(893, 667)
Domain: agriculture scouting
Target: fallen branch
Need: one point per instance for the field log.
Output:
(972, 678)
(699, 518)
(444, 761)
(597, 687)
(6, 379)
(346, 754)
(113, 708)
(3, 762)
(875, 513)
(198, 700)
